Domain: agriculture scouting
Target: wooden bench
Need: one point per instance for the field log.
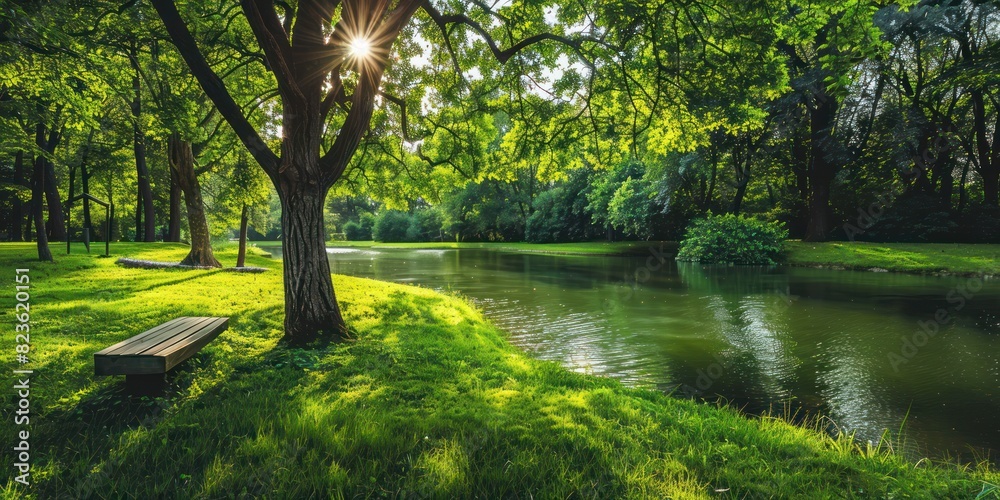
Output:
(145, 358)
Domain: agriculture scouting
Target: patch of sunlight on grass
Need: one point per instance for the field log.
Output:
(444, 469)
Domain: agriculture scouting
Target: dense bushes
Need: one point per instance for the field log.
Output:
(980, 224)
(916, 217)
(560, 213)
(360, 230)
(912, 218)
(393, 226)
(489, 210)
(732, 239)
(425, 225)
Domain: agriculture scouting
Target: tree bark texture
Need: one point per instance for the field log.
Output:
(311, 309)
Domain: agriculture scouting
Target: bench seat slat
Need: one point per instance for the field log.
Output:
(206, 328)
(159, 349)
(152, 331)
(150, 338)
(181, 351)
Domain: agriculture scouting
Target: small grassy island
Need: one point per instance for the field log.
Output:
(920, 258)
(429, 401)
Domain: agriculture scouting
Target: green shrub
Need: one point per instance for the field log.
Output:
(733, 239)
(391, 226)
(911, 218)
(425, 225)
(360, 230)
(631, 207)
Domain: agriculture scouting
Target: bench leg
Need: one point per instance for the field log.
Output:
(146, 385)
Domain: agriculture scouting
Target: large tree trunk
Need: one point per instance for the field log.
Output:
(145, 220)
(182, 161)
(821, 169)
(991, 190)
(989, 171)
(311, 309)
(301, 176)
(174, 225)
(242, 256)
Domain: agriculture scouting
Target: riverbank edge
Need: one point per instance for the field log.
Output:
(646, 443)
(597, 249)
(797, 253)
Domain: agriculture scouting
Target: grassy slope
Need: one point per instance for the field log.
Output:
(583, 248)
(431, 401)
(903, 257)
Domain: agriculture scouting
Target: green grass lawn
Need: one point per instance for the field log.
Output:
(430, 401)
(584, 248)
(926, 258)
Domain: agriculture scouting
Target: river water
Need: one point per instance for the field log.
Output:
(871, 351)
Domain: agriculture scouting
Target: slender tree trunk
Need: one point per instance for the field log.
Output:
(821, 169)
(711, 185)
(174, 226)
(311, 309)
(17, 208)
(737, 204)
(963, 194)
(30, 219)
(138, 215)
(742, 180)
(800, 166)
(242, 256)
(56, 225)
(988, 165)
(88, 222)
(146, 222)
(182, 161)
(37, 203)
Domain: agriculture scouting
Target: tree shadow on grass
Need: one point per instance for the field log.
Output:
(191, 275)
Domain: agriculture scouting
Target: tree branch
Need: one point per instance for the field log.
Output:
(443, 20)
(334, 95)
(402, 109)
(356, 124)
(214, 88)
(273, 41)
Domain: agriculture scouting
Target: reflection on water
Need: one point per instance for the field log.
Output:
(814, 341)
